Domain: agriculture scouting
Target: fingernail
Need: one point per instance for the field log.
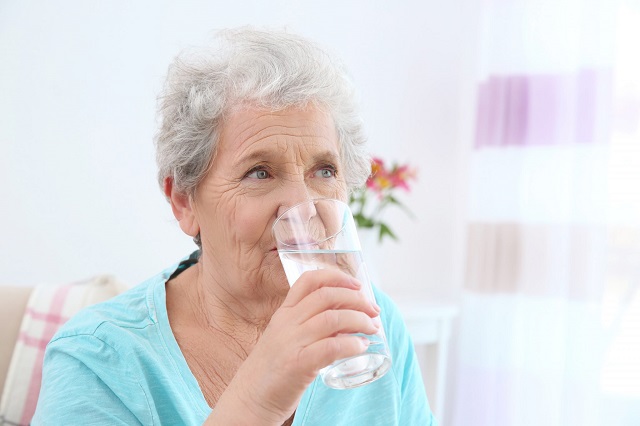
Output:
(376, 307)
(356, 283)
(376, 322)
(365, 342)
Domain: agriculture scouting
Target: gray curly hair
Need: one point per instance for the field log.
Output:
(263, 68)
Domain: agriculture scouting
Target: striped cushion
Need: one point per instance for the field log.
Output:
(48, 308)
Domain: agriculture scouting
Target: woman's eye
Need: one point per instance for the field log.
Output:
(326, 172)
(258, 174)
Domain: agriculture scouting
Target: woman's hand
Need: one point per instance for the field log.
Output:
(311, 329)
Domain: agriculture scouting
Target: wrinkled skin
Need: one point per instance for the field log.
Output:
(253, 344)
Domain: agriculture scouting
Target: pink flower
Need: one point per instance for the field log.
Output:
(382, 179)
(379, 179)
(382, 182)
(401, 175)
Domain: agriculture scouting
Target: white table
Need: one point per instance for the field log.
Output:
(430, 324)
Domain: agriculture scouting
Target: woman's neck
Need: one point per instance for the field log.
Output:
(200, 297)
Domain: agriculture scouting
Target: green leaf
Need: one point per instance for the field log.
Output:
(362, 221)
(393, 200)
(385, 230)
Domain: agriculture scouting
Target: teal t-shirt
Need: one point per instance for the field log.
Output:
(118, 363)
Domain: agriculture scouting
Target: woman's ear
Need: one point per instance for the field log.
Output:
(182, 207)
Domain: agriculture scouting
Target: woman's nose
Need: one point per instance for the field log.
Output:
(304, 211)
(294, 193)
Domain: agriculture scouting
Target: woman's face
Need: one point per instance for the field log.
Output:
(265, 162)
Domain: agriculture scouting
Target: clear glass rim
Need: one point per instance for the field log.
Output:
(314, 201)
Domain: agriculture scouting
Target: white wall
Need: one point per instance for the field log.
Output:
(78, 81)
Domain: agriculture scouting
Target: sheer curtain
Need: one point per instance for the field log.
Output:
(549, 332)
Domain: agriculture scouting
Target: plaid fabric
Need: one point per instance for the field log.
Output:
(48, 308)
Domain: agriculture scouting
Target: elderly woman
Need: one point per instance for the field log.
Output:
(260, 122)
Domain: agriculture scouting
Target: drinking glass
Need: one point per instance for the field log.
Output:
(321, 234)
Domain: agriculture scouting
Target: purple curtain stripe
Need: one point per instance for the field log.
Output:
(544, 109)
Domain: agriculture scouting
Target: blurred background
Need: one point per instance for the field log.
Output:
(522, 118)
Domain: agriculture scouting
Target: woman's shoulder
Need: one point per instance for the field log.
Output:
(128, 313)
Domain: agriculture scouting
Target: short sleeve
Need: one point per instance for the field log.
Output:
(78, 391)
